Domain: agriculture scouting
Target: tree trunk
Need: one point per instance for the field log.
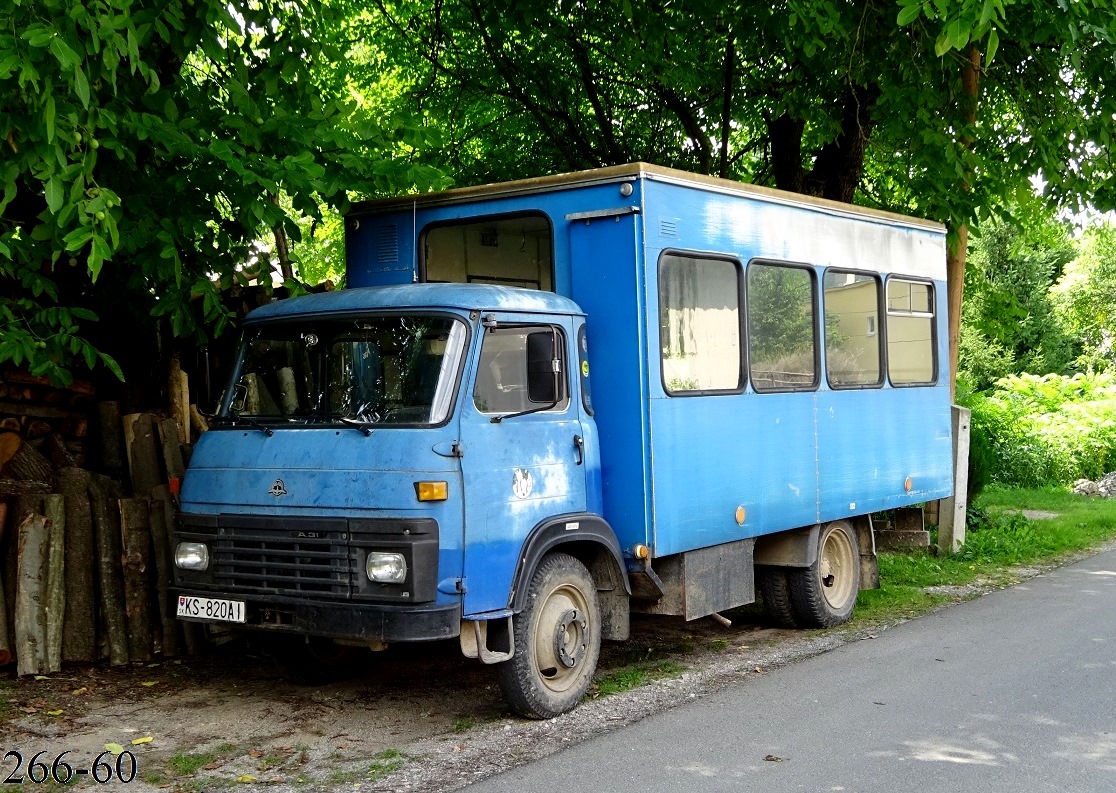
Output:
(145, 453)
(162, 517)
(80, 627)
(955, 256)
(106, 524)
(31, 606)
(136, 531)
(54, 506)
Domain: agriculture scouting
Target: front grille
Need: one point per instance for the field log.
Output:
(274, 563)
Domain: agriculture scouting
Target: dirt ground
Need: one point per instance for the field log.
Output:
(420, 718)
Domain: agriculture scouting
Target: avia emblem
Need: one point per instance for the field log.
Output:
(522, 483)
(277, 489)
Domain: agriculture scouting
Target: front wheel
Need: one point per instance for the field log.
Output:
(557, 640)
(824, 594)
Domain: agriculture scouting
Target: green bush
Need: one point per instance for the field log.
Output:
(1031, 431)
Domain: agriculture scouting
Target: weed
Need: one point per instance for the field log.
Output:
(629, 677)
(463, 724)
(386, 762)
(189, 764)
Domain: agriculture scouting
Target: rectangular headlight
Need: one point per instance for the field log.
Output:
(191, 556)
(385, 568)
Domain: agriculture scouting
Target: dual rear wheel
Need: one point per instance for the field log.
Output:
(819, 596)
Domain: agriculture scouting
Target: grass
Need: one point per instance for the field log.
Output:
(386, 762)
(998, 538)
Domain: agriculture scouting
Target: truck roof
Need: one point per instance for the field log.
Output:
(465, 297)
(628, 173)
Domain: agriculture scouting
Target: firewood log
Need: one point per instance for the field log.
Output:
(31, 606)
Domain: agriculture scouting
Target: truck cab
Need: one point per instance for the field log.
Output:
(381, 461)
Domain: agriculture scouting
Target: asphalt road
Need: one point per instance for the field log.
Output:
(1015, 691)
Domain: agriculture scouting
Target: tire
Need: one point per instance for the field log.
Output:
(824, 594)
(557, 640)
(312, 660)
(775, 592)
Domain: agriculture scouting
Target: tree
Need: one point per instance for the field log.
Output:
(1085, 297)
(938, 108)
(1010, 325)
(151, 145)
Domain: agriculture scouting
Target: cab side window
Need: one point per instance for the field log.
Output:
(514, 358)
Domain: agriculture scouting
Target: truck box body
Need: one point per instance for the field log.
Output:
(675, 469)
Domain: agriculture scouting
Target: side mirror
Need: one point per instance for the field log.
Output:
(544, 368)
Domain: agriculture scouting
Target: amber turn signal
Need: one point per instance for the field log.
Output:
(432, 491)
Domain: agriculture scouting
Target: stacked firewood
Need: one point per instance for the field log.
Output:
(87, 557)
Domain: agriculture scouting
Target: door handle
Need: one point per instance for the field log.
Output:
(579, 442)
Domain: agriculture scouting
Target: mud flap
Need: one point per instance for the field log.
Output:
(475, 637)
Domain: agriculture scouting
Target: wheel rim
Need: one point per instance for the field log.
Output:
(562, 635)
(836, 569)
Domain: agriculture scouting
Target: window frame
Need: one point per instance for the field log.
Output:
(742, 358)
(476, 220)
(932, 315)
(879, 333)
(563, 346)
(811, 270)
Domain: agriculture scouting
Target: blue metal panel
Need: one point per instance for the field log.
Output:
(329, 473)
(608, 284)
(408, 223)
(517, 473)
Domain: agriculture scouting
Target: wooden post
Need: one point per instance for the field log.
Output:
(201, 424)
(145, 454)
(178, 394)
(112, 438)
(80, 626)
(5, 637)
(106, 525)
(951, 529)
(136, 531)
(24, 505)
(172, 449)
(54, 507)
(162, 517)
(25, 463)
(30, 610)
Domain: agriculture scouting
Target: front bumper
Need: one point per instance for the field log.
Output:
(357, 621)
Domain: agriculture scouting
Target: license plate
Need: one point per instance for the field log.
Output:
(210, 609)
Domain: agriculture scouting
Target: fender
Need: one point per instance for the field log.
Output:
(582, 528)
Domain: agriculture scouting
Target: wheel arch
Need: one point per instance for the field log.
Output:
(589, 539)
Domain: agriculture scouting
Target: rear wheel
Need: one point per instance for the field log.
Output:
(775, 592)
(557, 640)
(824, 594)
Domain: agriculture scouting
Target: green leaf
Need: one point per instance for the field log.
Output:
(942, 44)
(67, 58)
(55, 194)
(908, 14)
(993, 45)
(48, 117)
(81, 87)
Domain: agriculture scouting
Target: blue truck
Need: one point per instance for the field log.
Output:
(540, 406)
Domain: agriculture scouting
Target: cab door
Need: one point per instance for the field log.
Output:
(523, 448)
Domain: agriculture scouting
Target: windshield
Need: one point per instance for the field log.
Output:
(375, 370)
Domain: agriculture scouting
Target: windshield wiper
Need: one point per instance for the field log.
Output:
(358, 424)
(248, 420)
